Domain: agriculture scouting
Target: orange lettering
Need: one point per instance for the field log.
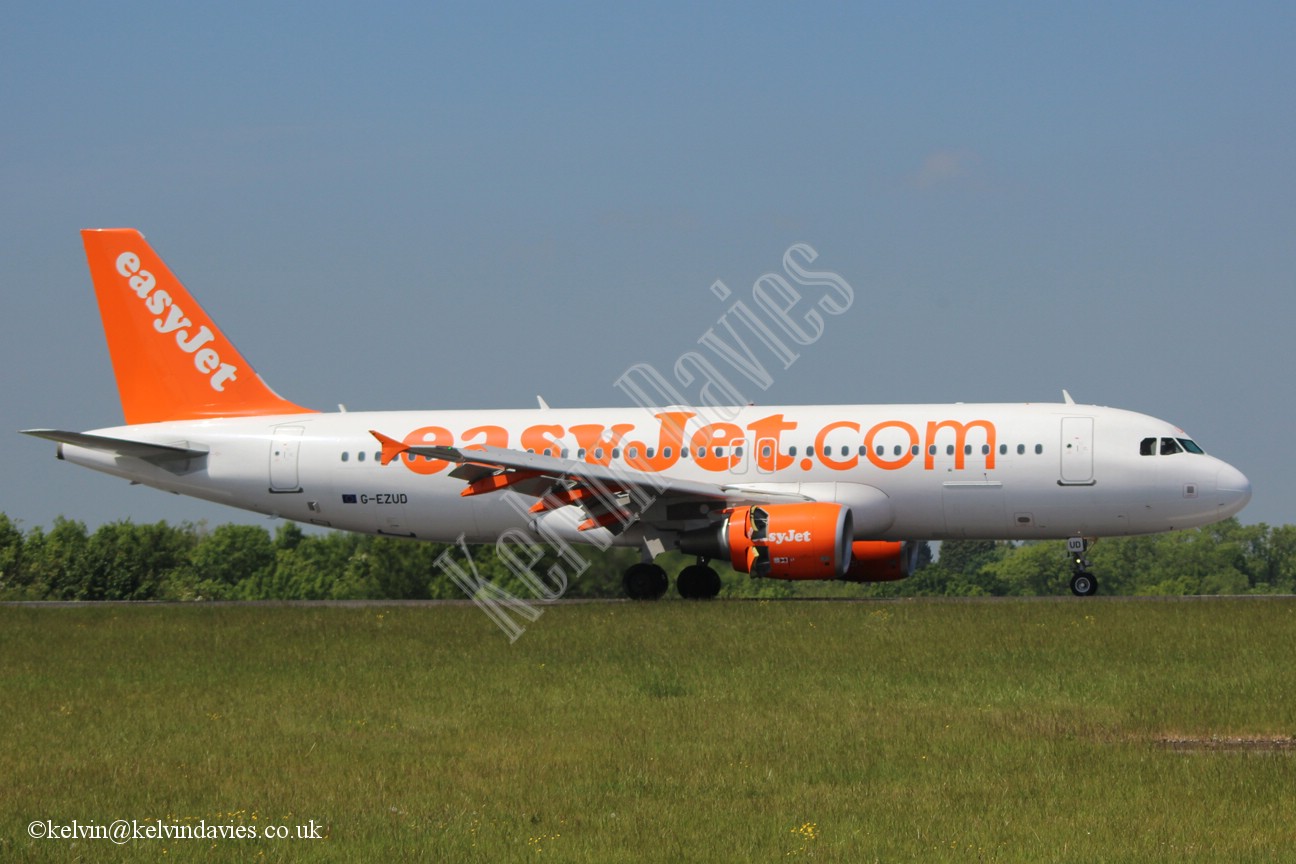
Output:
(960, 440)
(768, 431)
(670, 438)
(708, 438)
(538, 439)
(493, 436)
(598, 450)
(891, 464)
(825, 457)
(435, 436)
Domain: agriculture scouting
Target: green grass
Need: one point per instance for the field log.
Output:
(727, 731)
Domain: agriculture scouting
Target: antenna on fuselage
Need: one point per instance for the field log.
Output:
(1066, 397)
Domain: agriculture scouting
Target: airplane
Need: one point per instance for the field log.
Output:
(845, 492)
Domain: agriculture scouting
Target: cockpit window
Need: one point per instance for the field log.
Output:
(1169, 446)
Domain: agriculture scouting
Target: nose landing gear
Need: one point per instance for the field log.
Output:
(1083, 583)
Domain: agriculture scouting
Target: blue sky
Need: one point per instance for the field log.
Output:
(413, 206)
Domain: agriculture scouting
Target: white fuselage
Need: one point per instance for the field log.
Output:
(1002, 471)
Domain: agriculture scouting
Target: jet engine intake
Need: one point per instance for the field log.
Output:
(781, 541)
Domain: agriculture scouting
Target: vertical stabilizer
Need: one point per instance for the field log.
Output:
(171, 360)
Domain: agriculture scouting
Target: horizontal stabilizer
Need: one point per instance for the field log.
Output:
(172, 457)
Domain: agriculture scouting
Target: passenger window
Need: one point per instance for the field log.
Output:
(985, 449)
(967, 449)
(880, 449)
(666, 452)
(684, 452)
(1021, 449)
(1003, 449)
(949, 449)
(792, 450)
(766, 452)
(931, 451)
(649, 452)
(616, 452)
(898, 449)
(632, 453)
(580, 454)
(345, 456)
(598, 452)
(1147, 447)
(360, 456)
(914, 448)
(738, 451)
(1170, 446)
(378, 456)
(1039, 448)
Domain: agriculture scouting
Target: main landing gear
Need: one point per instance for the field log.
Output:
(648, 581)
(645, 581)
(1083, 583)
(698, 582)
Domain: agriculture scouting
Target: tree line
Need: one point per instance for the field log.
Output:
(126, 561)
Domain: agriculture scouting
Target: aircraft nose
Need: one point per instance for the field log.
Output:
(1234, 489)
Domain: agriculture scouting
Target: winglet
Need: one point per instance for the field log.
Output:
(391, 448)
(171, 360)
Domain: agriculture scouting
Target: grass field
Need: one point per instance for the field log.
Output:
(1059, 730)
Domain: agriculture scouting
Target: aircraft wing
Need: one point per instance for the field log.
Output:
(612, 497)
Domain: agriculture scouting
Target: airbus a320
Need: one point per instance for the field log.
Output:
(783, 492)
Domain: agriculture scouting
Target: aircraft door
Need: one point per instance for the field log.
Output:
(1077, 451)
(737, 449)
(284, 448)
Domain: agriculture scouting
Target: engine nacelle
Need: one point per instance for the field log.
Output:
(782, 541)
(878, 561)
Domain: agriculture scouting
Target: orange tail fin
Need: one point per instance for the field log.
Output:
(170, 359)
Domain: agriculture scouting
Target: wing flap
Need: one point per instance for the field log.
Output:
(611, 497)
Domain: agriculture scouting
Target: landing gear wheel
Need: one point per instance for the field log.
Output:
(1084, 585)
(698, 582)
(644, 581)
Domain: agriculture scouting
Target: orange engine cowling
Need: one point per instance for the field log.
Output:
(877, 561)
(782, 541)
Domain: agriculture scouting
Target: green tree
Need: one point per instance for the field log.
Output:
(223, 560)
(12, 585)
(1277, 571)
(125, 561)
(1033, 569)
(53, 562)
